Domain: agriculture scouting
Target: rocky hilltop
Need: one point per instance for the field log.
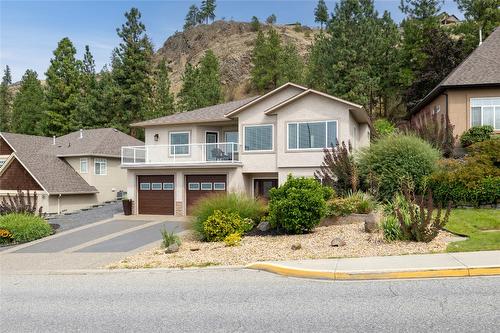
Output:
(232, 42)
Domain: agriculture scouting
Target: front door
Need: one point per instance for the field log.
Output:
(211, 138)
(261, 187)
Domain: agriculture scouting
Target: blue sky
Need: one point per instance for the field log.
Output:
(30, 30)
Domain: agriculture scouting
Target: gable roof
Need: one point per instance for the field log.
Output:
(41, 158)
(480, 68)
(258, 99)
(208, 114)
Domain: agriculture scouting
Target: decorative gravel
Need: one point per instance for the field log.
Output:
(315, 245)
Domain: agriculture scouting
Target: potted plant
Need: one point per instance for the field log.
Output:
(127, 206)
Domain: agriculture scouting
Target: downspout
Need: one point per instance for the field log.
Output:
(59, 204)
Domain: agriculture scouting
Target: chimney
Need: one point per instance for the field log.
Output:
(54, 140)
(81, 133)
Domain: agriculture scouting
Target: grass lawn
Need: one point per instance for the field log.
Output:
(477, 224)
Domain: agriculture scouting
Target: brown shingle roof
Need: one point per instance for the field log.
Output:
(55, 175)
(208, 114)
(480, 68)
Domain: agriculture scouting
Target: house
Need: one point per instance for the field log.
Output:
(68, 173)
(447, 19)
(247, 146)
(470, 94)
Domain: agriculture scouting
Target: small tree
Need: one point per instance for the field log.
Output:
(271, 19)
(192, 17)
(5, 99)
(163, 99)
(207, 10)
(338, 169)
(321, 13)
(255, 24)
(28, 105)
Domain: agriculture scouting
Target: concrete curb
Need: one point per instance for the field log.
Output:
(373, 275)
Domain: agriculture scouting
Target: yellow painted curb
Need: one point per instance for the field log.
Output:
(331, 275)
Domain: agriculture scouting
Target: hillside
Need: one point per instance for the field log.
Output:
(232, 43)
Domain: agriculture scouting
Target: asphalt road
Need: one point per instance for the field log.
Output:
(240, 300)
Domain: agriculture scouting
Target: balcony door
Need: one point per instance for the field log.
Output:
(212, 151)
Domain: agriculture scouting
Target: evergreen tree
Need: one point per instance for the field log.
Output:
(291, 65)
(266, 59)
(29, 105)
(108, 101)
(207, 10)
(5, 100)
(201, 85)
(85, 114)
(132, 72)
(192, 17)
(321, 13)
(271, 19)
(63, 90)
(420, 9)
(255, 24)
(163, 104)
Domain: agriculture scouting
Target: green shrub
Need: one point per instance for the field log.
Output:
(298, 205)
(488, 148)
(396, 159)
(233, 240)
(244, 206)
(24, 227)
(476, 134)
(356, 203)
(391, 228)
(221, 224)
(169, 238)
(383, 127)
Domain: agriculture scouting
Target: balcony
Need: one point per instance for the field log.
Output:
(183, 154)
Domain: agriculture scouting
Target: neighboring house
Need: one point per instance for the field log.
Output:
(470, 94)
(246, 146)
(446, 19)
(68, 173)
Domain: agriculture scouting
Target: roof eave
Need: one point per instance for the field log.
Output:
(220, 120)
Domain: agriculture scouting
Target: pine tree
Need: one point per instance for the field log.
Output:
(108, 101)
(85, 114)
(271, 19)
(420, 9)
(291, 66)
(207, 10)
(189, 95)
(29, 105)
(255, 24)
(132, 72)
(5, 100)
(192, 17)
(63, 89)
(163, 99)
(321, 13)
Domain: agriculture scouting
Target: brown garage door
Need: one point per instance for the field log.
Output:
(156, 195)
(199, 186)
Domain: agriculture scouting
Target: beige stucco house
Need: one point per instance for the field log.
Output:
(68, 173)
(244, 146)
(470, 94)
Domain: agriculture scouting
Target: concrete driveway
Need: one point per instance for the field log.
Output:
(90, 246)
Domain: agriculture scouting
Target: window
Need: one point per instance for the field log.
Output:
(231, 137)
(100, 166)
(206, 186)
(312, 135)
(437, 109)
(485, 111)
(84, 165)
(168, 186)
(259, 138)
(179, 142)
(194, 186)
(219, 186)
(2, 161)
(145, 186)
(156, 186)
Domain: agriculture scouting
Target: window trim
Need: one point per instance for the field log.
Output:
(173, 145)
(258, 151)
(495, 106)
(189, 186)
(165, 188)
(101, 160)
(310, 122)
(86, 160)
(156, 189)
(219, 189)
(144, 183)
(206, 183)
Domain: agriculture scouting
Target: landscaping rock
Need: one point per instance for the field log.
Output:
(372, 222)
(194, 249)
(296, 246)
(264, 226)
(172, 248)
(337, 242)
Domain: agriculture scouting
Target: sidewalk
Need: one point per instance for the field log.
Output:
(457, 264)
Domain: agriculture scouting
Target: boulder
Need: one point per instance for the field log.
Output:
(172, 248)
(264, 226)
(337, 242)
(371, 222)
(296, 246)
